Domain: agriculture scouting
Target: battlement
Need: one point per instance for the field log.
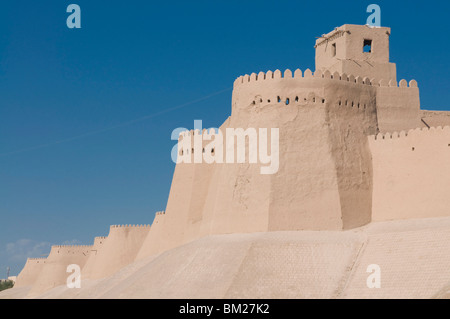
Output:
(71, 246)
(397, 103)
(192, 133)
(37, 258)
(68, 249)
(158, 217)
(424, 131)
(192, 142)
(129, 226)
(308, 74)
(100, 240)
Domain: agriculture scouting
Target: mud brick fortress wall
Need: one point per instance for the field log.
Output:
(354, 147)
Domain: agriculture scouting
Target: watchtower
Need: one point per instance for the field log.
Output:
(359, 50)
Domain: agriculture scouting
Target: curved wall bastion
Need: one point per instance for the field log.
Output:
(362, 172)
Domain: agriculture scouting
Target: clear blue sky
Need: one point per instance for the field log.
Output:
(133, 59)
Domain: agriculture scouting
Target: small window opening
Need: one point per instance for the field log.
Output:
(278, 98)
(333, 50)
(367, 48)
(287, 101)
(413, 148)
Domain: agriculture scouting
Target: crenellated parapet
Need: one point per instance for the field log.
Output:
(191, 133)
(277, 75)
(158, 218)
(129, 226)
(37, 259)
(193, 144)
(287, 87)
(71, 246)
(412, 134)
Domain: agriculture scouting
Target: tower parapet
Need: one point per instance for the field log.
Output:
(397, 103)
(356, 49)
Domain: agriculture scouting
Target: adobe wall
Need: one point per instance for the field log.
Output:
(398, 106)
(324, 181)
(325, 164)
(335, 171)
(304, 191)
(183, 216)
(307, 192)
(54, 272)
(99, 242)
(120, 249)
(351, 116)
(238, 198)
(189, 191)
(434, 118)
(411, 174)
(156, 239)
(30, 272)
